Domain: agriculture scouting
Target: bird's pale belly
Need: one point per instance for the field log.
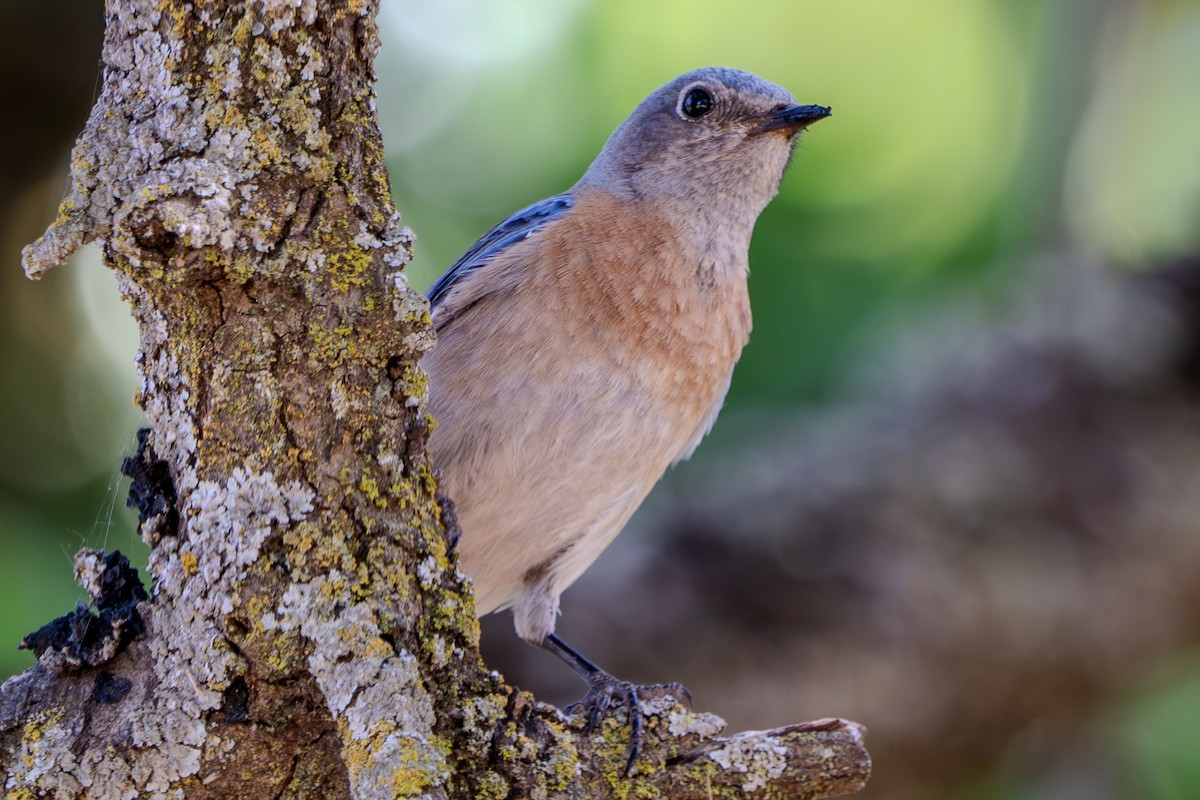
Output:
(564, 467)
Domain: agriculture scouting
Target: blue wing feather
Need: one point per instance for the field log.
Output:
(515, 229)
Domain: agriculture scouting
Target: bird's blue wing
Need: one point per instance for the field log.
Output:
(515, 229)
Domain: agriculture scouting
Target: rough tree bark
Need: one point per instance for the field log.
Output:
(309, 634)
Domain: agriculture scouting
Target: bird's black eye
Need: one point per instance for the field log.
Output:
(696, 103)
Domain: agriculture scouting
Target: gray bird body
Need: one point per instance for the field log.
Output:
(587, 343)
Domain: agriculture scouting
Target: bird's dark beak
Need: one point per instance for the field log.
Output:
(792, 119)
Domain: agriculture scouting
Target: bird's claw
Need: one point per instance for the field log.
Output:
(676, 690)
(604, 694)
(607, 693)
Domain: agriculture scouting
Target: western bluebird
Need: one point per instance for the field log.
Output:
(586, 343)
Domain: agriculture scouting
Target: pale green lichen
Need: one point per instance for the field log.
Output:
(378, 696)
(561, 766)
(761, 758)
(41, 734)
(682, 721)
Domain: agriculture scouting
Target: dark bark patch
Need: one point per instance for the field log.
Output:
(237, 701)
(449, 520)
(88, 638)
(110, 688)
(152, 491)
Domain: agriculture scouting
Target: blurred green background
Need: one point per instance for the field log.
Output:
(967, 138)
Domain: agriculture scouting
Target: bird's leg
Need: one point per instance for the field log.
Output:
(603, 688)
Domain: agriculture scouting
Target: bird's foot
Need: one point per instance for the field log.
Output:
(606, 694)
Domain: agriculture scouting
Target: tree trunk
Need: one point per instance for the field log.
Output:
(309, 634)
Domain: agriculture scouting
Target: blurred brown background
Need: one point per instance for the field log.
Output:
(955, 492)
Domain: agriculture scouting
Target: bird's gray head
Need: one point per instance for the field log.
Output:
(717, 138)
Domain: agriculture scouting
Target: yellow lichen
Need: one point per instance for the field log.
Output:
(331, 345)
(414, 381)
(349, 267)
(492, 786)
(370, 487)
(35, 728)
